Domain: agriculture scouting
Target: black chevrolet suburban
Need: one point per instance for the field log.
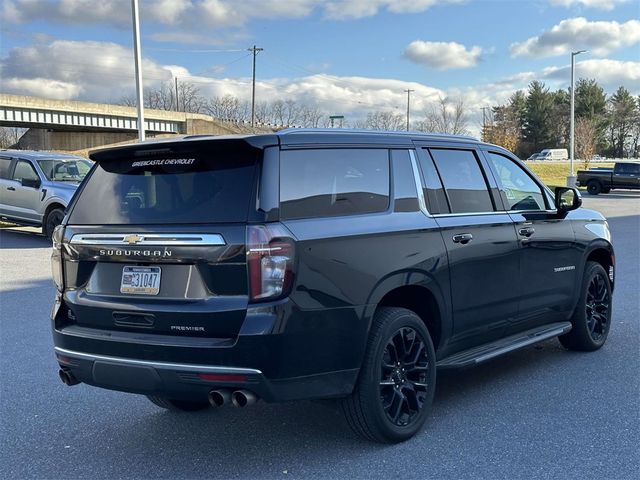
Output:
(316, 264)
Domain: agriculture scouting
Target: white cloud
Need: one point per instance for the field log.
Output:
(599, 4)
(77, 69)
(42, 87)
(187, 14)
(442, 55)
(346, 9)
(571, 34)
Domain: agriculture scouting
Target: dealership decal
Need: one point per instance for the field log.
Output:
(163, 161)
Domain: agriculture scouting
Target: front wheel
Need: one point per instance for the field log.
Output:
(592, 318)
(52, 220)
(177, 405)
(397, 380)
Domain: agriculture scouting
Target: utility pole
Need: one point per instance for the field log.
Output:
(408, 105)
(571, 179)
(177, 104)
(485, 116)
(255, 51)
(138, 67)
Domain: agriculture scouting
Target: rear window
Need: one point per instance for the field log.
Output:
(333, 182)
(216, 187)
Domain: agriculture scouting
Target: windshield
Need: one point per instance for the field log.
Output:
(65, 169)
(194, 188)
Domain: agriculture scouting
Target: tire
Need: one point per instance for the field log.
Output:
(52, 220)
(391, 399)
(594, 187)
(177, 405)
(592, 318)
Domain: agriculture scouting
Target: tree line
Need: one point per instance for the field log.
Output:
(539, 118)
(445, 115)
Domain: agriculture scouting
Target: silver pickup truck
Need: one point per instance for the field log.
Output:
(36, 187)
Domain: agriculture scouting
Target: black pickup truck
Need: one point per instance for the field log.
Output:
(603, 180)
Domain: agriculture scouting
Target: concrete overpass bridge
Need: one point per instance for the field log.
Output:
(73, 125)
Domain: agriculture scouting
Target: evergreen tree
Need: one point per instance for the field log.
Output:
(538, 130)
(622, 119)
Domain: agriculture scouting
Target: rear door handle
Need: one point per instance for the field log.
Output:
(462, 238)
(13, 189)
(526, 231)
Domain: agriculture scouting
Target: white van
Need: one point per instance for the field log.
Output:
(553, 154)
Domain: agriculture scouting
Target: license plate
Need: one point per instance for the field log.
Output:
(140, 280)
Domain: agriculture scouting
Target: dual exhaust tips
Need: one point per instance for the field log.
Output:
(217, 398)
(239, 398)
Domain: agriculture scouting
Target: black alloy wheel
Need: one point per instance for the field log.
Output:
(591, 319)
(397, 379)
(404, 382)
(597, 307)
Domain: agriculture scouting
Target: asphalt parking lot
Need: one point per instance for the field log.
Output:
(541, 412)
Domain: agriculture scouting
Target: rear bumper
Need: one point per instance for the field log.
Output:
(191, 381)
(282, 353)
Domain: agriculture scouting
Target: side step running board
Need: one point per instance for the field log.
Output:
(491, 350)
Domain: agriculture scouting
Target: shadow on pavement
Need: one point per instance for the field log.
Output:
(19, 239)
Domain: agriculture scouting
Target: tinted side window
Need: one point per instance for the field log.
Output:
(463, 180)
(5, 163)
(433, 192)
(404, 183)
(24, 170)
(333, 182)
(518, 190)
(627, 168)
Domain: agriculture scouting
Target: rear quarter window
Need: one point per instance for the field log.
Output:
(333, 182)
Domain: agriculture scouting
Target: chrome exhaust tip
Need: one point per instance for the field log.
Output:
(67, 378)
(243, 398)
(218, 398)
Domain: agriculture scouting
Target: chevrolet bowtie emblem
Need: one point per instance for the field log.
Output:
(132, 239)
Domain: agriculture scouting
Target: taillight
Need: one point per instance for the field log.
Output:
(270, 256)
(56, 257)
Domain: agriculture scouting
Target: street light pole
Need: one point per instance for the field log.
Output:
(138, 67)
(571, 179)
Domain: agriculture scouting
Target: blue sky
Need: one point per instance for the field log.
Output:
(347, 55)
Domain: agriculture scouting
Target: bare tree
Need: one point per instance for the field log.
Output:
(447, 115)
(585, 138)
(163, 97)
(228, 107)
(311, 116)
(9, 136)
(380, 120)
(285, 112)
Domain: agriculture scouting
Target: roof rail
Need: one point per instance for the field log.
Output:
(291, 131)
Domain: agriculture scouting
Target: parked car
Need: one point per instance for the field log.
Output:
(553, 154)
(624, 175)
(319, 264)
(36, 187)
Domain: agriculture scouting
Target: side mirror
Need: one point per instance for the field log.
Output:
(31, 182)
(567, 198)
